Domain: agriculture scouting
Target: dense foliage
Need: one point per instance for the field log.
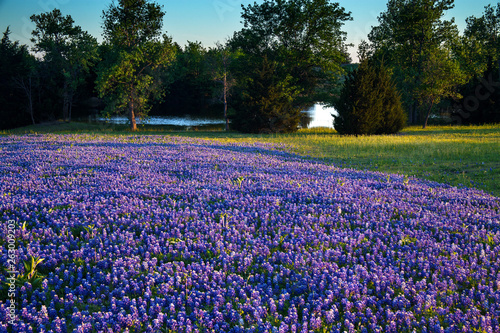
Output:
(155, 233)
(303, 47)
(409, 36)
(17, 68)
(441, 74)
(266, 104)
(479, 54)
(304, 36)
(190, 91)
(431, 61)
(131, 75)
(369, 102)
(480, 102)
(68, 54)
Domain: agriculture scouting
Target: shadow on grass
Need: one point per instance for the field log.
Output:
(466, 155)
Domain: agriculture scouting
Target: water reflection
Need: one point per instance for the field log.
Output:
(320, 116)
(317, 116)
(173, 121)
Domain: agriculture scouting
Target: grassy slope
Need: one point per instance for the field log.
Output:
(460, 156)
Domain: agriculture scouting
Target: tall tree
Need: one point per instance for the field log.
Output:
(408, 33)
(16, 71)
(266, 101)
(67, 49)
(221, 60)
(486, 31)
(305, 35)
(369, 102)
(131, 76)
(442, 79)
(303, 39)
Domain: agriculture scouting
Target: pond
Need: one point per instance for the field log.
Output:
(320, 117)
(172, 121)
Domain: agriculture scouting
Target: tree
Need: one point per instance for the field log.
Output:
(393, 117)
(221, 59)
(17, 68)
(131, 75)
(409, 32)
(478, 52)
(67, 49)
(266, 103)
(486, 31)
(301, 38)
(191, 84)
(369, 102)
(442, 79)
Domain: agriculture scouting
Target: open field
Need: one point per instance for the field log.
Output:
(150, 233)
(468, 156)
(460, 156)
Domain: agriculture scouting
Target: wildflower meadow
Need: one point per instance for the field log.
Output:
(168, 234)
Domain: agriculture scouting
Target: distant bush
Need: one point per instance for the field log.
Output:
(369, 102)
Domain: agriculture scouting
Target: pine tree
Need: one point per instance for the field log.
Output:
(369, 102)
(344, 121)
(393, 115)
(266, 104)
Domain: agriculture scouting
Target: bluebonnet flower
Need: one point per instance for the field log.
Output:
(154, 232)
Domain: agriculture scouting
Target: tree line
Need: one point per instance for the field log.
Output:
(414, 68)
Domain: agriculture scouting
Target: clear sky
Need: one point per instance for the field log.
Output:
(207, 21)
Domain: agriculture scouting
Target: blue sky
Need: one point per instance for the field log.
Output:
(207, 21)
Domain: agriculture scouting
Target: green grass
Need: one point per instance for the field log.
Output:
(460, 156)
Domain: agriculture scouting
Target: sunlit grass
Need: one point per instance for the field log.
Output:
(465, 156)
(459, 156)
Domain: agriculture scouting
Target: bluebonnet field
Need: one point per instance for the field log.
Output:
(149, 233)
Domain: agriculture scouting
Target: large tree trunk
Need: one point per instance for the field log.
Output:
(428, 114)
(131, 116)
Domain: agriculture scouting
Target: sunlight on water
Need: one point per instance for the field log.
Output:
(321, 116)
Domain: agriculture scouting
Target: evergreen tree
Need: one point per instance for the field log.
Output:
(344, 121)
(369, 102)
(393, 115)
(17, 68)
(266, 103)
